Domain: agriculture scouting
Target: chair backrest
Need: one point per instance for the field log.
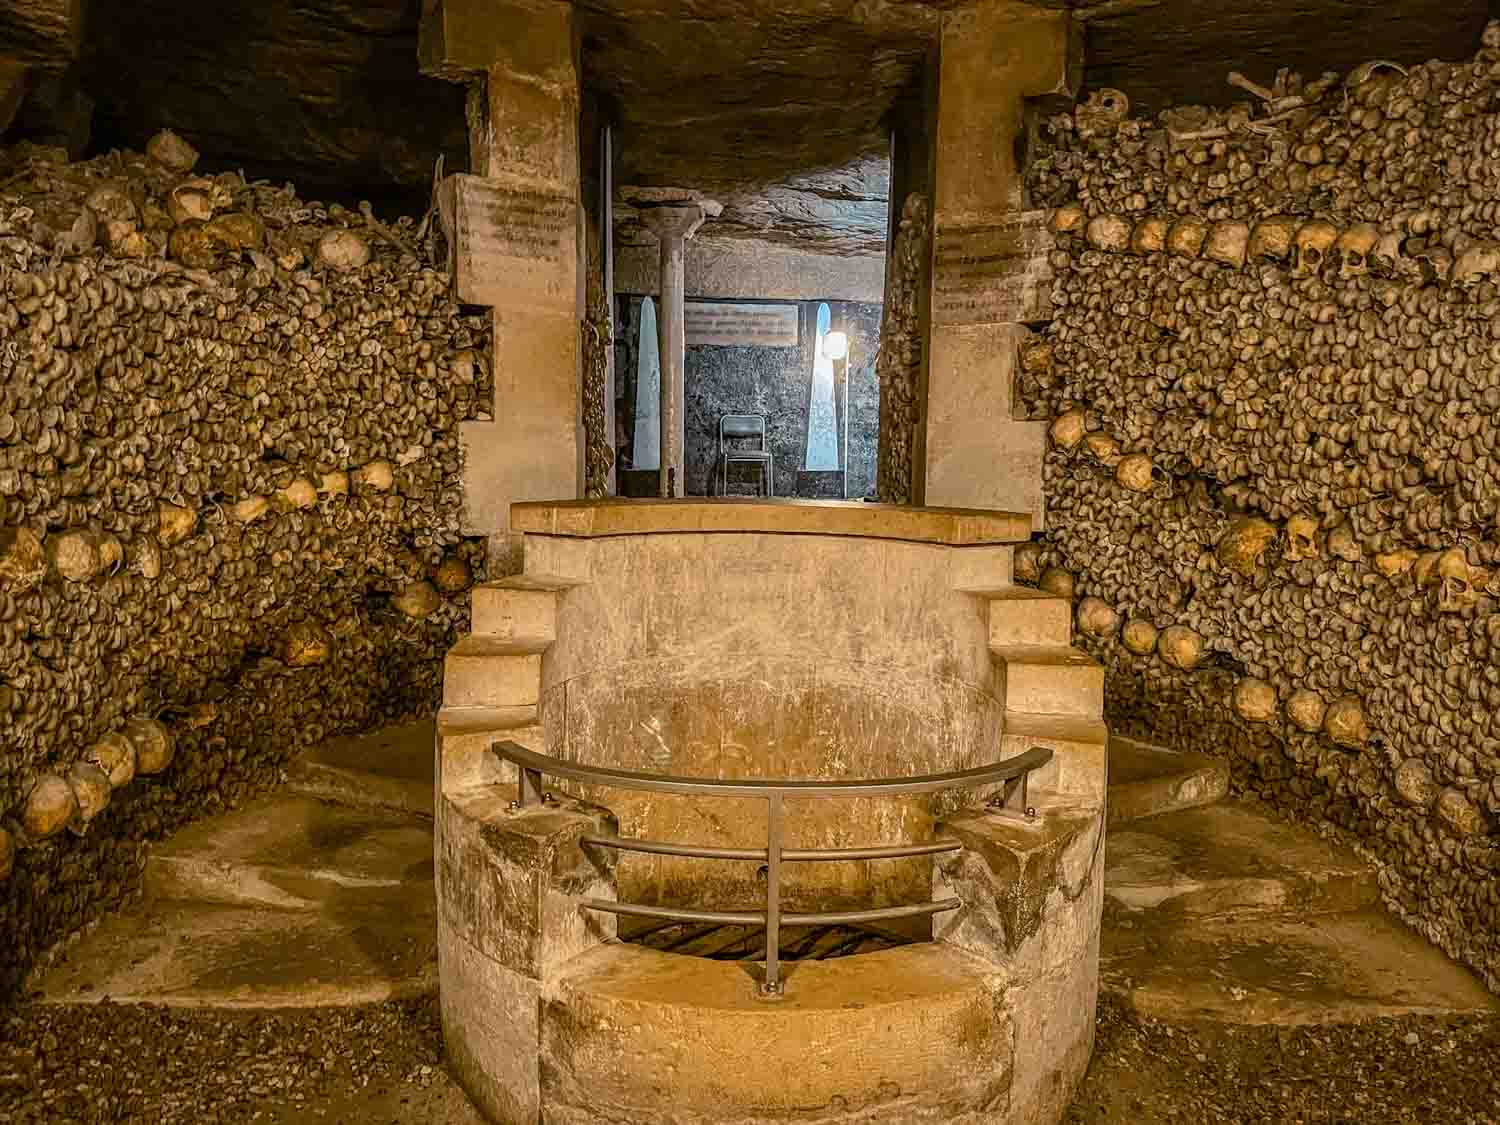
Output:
(743, 426)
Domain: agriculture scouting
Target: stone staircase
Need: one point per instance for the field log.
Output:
(318, 894)
(323, 893)
(1215, 910)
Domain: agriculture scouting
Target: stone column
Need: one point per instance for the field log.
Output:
(513, 228)
(673, 224)
(989, 256)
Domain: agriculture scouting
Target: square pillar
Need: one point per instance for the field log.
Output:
(990, 271)
(513, 227)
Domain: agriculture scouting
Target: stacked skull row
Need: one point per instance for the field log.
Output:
(229, 481)
(1271, 381)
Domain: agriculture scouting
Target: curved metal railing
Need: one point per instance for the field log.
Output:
(1013, 774)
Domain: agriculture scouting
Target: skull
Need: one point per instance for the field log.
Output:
(1344, 722)
(1180, 647)
(1108, 232)
(1057, 582)
(1273, 238)
(1067, 218)
(1026, 562)
(1067, 429)
(1354, 247)
(1139, 636)
(1439, 259)
(1388, 250)
(1456, 590)
(1306, 708)
(1186, 236)
(1476, 263)
(1149, 236)
(1102, 447)
(1243, 544)
(1314, 241)
(1096, 618)
(1301, 538)
(1254, 700)
(1343, 545)
(1227, 243)
(1135, 473)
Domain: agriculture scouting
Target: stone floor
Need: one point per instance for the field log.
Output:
(1248, 972)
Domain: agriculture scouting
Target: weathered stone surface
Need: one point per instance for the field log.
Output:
(41, 32)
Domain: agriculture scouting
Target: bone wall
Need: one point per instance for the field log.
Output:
(1273, 372)
(229, 504)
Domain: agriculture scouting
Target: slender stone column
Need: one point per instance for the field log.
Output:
(673, 224)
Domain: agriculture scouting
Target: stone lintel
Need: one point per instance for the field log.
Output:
(954, 527)
(737, 268)
(464, 39)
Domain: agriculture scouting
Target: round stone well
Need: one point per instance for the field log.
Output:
(733, 639)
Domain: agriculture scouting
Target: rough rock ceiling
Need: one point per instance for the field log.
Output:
(1175, 52)
(726, 97)
(836, 211)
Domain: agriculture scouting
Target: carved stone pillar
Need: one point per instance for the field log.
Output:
(673, 224)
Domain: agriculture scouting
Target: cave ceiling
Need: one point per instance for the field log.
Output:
(727, 98)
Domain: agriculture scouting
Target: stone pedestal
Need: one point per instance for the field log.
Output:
(989, 258)
(673, 225)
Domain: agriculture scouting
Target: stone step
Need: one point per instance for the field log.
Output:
(1145, 780)
(1231, 858)
(1022, 616)
(494, 672)
(1079, 747)
(379, 947)
(294, 852)
(1046, 680)
(520, 606)
(391, 769)
(1281, 969)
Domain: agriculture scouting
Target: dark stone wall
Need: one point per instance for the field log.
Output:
(773, 381)
(229, 503)
(1273, 375)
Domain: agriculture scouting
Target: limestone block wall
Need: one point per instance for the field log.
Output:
(1274, 472)
(229, 504)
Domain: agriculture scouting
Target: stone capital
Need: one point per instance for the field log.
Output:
(677, 221)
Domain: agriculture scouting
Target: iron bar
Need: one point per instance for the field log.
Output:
(771, 986)
(1021, 764)
(756, 918)
(788, 855)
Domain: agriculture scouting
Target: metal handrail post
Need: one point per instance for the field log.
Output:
(774, 825)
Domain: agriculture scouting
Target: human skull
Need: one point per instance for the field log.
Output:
(1273, 238)
(1243, 544)
(1139, 636)
(1135, 472)
(1067, 429)
(1344, 722)
(1254, 700)
(1066, 218)
(1388, 250)
(1149, 235)
(1456, 591)
(1354, 248)
(1108, 232)
(1180, 647)
(1096, 618)
(1301, 538)
(1057, 582)
(1306, 708)
(1027, 562)
(1476, 263)
(1314, 241)
(1343, 545)
(1227, 243)
(1186, 236)
(1102, 447)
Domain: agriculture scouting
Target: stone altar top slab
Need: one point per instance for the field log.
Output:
(953, 527)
